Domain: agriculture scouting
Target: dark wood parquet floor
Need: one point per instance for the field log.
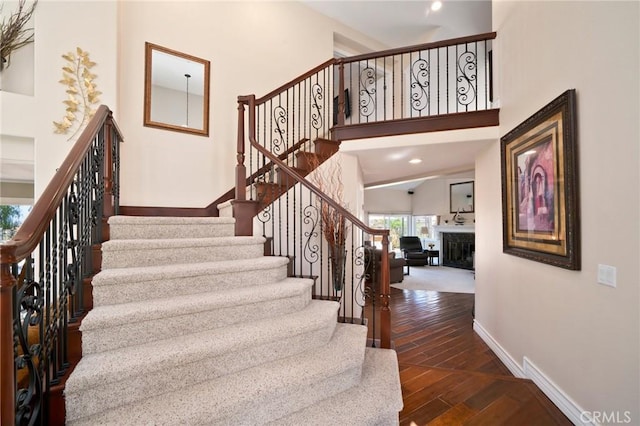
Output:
(449, 376)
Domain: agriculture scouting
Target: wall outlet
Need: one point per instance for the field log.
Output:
(607, 275)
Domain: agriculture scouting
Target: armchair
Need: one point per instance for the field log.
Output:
(413, 252)
(373, 260)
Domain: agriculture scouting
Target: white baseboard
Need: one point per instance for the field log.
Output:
(570, 409)
(529, 371)
(500, 352)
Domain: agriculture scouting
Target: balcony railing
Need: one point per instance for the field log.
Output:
(286, 133)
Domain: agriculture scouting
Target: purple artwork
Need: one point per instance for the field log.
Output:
(535, 191)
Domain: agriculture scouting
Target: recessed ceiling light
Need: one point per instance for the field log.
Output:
(436, 5)
(415, 161)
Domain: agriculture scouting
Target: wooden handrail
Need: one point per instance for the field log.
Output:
(417, 47)
(385, 315)
(299, 178)
(293, 82)
(30, 235)
(31, 231)
(230, 193)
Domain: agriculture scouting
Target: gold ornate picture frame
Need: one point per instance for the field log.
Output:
(540, 204)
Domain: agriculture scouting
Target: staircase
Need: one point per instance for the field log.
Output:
(302, 162)
(192, 325)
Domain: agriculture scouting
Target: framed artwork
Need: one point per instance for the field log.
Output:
(540, 216)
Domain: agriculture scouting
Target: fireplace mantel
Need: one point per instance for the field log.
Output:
(454, 228)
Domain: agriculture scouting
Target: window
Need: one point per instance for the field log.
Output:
(401, 225)
(424, 228)
(398, 226)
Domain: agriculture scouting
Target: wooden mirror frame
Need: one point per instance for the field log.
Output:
(185, 58)
(455, 207)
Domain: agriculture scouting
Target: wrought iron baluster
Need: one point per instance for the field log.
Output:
(466, 78)
(28, 310)
(367, 92)
(438, 77)
(447, 75)
(420, 84)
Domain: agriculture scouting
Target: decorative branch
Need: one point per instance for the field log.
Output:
(13, 34)
(81, 91)
(334, 224)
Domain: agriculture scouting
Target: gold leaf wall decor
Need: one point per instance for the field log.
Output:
(82, 94)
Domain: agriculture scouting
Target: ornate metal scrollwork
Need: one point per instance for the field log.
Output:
(317, 92)
(466, 78)
(310, 216)
(367, 91)
(420, 84)
(363, 256)
(265, 215)
(280, 120)
(28, 313)
(73, 218)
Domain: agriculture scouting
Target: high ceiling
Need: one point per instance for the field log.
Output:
(403, 23)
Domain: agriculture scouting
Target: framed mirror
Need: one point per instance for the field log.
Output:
(461, 197)
(176, 91)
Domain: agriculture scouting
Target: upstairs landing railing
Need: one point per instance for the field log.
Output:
(45, 275)
(280, 140)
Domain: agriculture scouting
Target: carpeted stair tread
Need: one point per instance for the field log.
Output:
(98, 369)
(121, 285)
(136, 253)
(113, 315)
(152, 273)
(115, 326)
(173, 243)
(149, 227)
(376, 400)
(255, 395)
(168, 220)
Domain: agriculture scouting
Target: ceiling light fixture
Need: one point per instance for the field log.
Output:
(415, 161)
(436, 5)
(188, 76)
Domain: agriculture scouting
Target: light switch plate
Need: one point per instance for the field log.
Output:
(607, 275)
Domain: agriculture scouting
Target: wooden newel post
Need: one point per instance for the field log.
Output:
(385, 312)
(241, 169)
(108, 201)
(7, 369)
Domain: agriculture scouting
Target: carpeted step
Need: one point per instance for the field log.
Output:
(252, 396)
(149, 227)
(117, 326)
(113, 286)
(107, 380)
(376, 400)
(137, 253)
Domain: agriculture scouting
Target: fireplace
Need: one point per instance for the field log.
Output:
(458, 249)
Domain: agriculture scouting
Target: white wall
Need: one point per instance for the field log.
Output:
(253, 47)
(582, 336)
(60, 27)
(430, 198)
(387, 200)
